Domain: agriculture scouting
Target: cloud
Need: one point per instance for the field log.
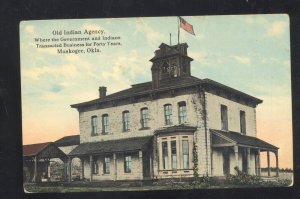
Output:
(35, 73)
(198, 56)
(277, 28)
(153, 37)
(242, 59)
(125, 68)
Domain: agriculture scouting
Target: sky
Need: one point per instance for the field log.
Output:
(250, 53)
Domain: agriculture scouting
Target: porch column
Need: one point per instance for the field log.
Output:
(82, 168)
(69, 169)
(35, 169)
(115, 166)
(91, 168)
(141, 164)
(268, 159)
(248, 160)
(277, 167)
(258, 162)
(236, 154)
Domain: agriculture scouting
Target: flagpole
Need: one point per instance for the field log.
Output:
(178, 29)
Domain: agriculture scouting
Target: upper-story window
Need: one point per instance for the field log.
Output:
(243, 122)
(105, 123)
(168, 114)
(144, 117)
(125, 120)
(182, 112)
(94, 124)
(224, 118)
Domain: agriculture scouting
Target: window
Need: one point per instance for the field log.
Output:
(94, 125)
(105, 123)
(127, 164)
(95, 166)
(106, 166)
(165, 155)
(224, 119)
(185, 154)
(243, 122)
(125, 119)
(174, 154)
(168, 114)
(144, 117)
(182, 112)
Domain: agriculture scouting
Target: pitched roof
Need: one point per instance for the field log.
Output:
(34, 149)
(244, 139)
(121, 145)
(68, 141)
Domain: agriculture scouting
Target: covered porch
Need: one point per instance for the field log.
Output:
(232, 150)
(36, 161)
(112, 160)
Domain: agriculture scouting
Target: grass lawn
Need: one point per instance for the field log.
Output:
(285, 179)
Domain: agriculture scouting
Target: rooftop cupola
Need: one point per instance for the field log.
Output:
(170, 62)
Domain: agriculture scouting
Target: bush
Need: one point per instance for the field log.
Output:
(245, 179)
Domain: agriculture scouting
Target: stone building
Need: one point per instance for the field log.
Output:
(174, 126)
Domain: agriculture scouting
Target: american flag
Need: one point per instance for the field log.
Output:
(186, 26)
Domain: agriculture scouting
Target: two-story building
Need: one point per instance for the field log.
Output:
(173, 126)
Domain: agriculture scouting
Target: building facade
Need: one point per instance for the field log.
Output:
(174, 126)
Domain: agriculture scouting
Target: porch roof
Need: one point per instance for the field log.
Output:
(43, 150)
(112, 146)
(227, 138)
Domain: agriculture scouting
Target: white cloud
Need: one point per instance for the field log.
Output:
(242, 59)
(198, 56)
(153, 37)
(35, 73)
(277, 28)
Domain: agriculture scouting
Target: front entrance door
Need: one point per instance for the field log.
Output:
(226, 162)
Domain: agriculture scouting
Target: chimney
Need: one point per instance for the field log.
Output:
(102, 91)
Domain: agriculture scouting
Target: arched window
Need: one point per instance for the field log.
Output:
(94, 125)
(168, 114)
(144, 117)
(105, 123)
(125, 120)
(182, 112)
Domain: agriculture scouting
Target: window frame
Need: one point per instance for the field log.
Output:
(125, 120)
(182, 113)
(243, 128)
(174, 155)
(165, 155)
(94, 125)
(145, 118)
(185, 154)
(95, 169)
(224, 117)
(106, 165)
(127, 164)
(105, 124)
(168, 114)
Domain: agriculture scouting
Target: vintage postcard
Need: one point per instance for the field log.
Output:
(157, 103)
